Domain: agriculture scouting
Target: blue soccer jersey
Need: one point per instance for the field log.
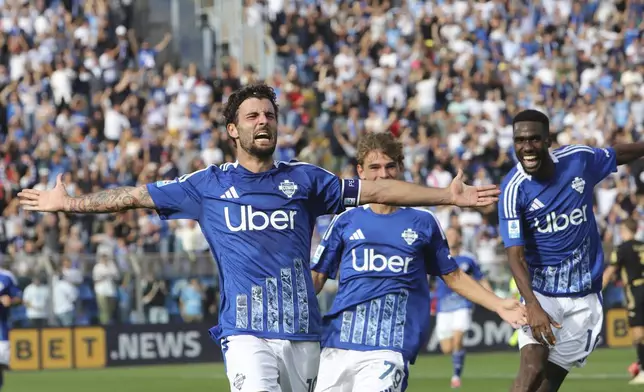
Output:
(382, 262)
(259, 228)
(446, 299)
(555, 223)
(8, 286)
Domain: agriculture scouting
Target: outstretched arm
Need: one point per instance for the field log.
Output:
(403, 193)
(111, 200)
(628, 152)
(463, 284)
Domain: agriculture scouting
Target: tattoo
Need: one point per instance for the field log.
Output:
(111, 200)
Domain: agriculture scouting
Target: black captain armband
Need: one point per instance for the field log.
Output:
(351, 192)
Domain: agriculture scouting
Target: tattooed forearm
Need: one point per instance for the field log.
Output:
(111, 200)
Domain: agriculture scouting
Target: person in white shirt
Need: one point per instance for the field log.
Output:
(105, 275)
(70, 273)
(36, 299)
(64, 296)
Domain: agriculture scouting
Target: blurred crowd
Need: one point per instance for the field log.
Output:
(82, 94)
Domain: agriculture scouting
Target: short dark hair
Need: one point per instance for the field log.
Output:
(631, 225)
(261, 91)
(384, 142)
(532, 115)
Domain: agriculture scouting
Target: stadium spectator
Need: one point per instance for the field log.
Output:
(191, 301)
(36, 298)
(154, 300)
(105, 276)
(64, 298)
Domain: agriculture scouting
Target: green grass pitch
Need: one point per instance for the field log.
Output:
(605, 371)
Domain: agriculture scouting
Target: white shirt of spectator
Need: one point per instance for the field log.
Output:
(426, 94)
(378, 25)
(212, 156)
(605, 200)
(41, 25)
(486, 251)
(73, 275)
(115, 123)
(546, 76)
(505, 137)
(439, 178)
(389, 60)
(38, 299)
(191, 237)
(105, 275)
(17, 65)
(83, 34)
(635, 52)
(175, 115)
(156, 115)
(203, 92)
(65, 294)
(395, 96)
(253, 15)
(61, 85)
(109, 66)
(374, 123)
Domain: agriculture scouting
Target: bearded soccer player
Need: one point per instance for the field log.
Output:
(554, 249)
(382, 255)
(257, 216)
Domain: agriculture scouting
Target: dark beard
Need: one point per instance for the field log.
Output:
(259, 152)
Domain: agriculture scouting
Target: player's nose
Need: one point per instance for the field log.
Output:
(262, 119)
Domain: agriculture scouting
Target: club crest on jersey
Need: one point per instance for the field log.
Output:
(409, 236)
(288, 188)
(578, 184)
(238, 382)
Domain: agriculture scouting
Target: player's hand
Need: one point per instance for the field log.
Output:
(513, 312)
(51, 200)
(5, 300)
(540, 323)
(472, 196)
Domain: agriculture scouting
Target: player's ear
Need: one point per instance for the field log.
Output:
(232, 131)
(360, 170)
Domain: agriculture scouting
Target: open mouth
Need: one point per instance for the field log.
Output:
(530, 161)
(262, 136)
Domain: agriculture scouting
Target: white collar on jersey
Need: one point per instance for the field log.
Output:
(236, 163)
(528, 176)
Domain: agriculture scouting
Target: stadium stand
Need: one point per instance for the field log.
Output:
(81, 95)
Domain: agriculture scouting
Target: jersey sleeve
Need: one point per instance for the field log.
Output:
(180, 198)
(332, 194)
(602, 163)
(328, 254)
(510, 210)
(438, 260)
